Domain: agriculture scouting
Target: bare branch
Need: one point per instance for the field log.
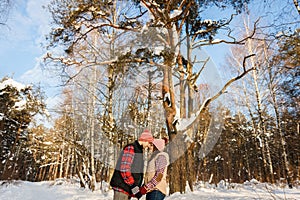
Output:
(297, 6)
(244, 61)
(231, 81)
(242, 41)
(222, 91)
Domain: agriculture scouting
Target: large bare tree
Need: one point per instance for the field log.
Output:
(162, 24)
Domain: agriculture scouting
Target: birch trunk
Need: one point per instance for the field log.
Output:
(111, 154)
(272, 89)
(93, 83)
(268, 165)
(61, 164)
(66, 172)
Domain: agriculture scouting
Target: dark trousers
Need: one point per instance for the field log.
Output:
(155, 195)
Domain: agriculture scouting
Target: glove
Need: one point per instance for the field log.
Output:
(134, 189)
(138, 195)
(143, 190)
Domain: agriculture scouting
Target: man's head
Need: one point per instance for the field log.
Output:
(146, 139)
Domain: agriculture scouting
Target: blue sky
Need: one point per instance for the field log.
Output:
(20, 39)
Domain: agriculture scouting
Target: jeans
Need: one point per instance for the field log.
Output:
(120, 196)
(155, 195)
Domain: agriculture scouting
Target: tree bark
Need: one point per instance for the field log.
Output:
(272, 87)
(268, 165)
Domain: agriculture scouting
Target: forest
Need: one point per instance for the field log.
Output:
(135, 64)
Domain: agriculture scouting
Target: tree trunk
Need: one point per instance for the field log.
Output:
(91, 117)
(287, 171)
(268, 165)
(190, 166)
(11, 159)
(61, 164)
(113, 138)
(68, 163)
(174, 169)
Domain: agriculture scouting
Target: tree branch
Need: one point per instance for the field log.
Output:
(242, 41)
(297, 6)
(209, 100)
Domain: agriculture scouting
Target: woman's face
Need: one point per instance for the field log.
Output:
(147, 145)
(150, 147)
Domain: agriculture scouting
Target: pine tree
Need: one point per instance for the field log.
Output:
(18, 106)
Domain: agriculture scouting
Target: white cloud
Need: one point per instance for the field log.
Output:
(27, 25)
(38, 13)
(40, 21)
(49, 80)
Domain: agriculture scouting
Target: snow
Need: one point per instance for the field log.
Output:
(175, 13)
(21, 104)
(209, 21)
(12, 83)
(185, 122)
(158, 50)
(69, 190)
(216, 41)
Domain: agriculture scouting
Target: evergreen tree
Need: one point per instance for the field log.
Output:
(18, 106)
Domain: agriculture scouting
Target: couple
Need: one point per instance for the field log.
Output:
(127, 180)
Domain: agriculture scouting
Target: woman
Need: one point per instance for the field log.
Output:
(155, 177)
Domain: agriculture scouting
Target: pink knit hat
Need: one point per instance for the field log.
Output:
(146, 136)
(159, 143)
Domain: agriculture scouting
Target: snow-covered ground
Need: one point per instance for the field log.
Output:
(66, 190)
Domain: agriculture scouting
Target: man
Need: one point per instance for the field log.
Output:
(128, 175)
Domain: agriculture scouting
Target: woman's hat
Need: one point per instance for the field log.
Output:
(159, 144)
